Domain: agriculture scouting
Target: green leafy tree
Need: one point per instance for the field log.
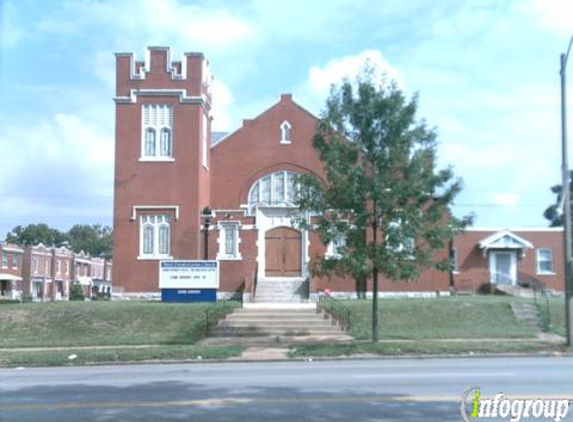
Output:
(94, 239)
(383, 201)
(33, 234)
(554, 213)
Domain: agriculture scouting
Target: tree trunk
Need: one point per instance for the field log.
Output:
(375, 304)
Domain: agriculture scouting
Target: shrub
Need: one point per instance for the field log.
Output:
(76, 292)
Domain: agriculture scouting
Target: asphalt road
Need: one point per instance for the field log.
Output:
(341, 390)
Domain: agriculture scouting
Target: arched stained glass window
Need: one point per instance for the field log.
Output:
(276, 189)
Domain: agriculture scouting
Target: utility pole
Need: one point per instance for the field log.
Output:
(565, 197)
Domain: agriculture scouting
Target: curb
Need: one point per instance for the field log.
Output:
(544, 354)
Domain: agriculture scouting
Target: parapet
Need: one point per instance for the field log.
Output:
(158, 74)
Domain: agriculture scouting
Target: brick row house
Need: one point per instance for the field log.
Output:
(46, 273)
(10, 271)
(172, 174)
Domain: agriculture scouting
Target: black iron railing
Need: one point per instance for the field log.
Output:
(336, 309)
(219, 310)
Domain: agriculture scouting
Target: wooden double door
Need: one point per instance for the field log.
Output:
(283, 252)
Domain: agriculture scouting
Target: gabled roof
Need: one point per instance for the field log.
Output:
(221, 137)
(504, 240)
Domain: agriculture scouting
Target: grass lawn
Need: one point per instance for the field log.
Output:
(463, 317)
(87, 356)
(99, 323)
(552, 311)
(421, 347)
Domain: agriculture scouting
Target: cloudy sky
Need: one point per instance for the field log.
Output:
(487, 72)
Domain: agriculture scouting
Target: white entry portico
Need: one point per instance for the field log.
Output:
(503, 249)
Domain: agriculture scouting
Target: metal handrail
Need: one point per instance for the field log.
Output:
(337, 310)
(219, 310)
(253, 286)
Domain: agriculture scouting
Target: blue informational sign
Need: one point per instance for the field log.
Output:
(188, 295)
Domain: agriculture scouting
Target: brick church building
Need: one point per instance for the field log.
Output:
(172, 174)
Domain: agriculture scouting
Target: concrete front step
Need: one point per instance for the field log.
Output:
(281, 299)
(279, 340)
(273, 321)
(276, 314)
(527, 315)
(266, 324)
(276, 306)
(281, 290)
(265, 332)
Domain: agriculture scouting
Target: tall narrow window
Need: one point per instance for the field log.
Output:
(148, 239)
(164, 239)
(157, 125)
(150, 142)
(35, 265)
(229, 241)
(15, 261)
(58, 266)
(165, 142)
(285, 132)
(4, 260)
(155, 236)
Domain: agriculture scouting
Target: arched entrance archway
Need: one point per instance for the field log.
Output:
(283, 252)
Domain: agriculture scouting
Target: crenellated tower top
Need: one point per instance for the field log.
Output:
(188, 79)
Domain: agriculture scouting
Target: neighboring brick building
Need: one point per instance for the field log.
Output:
(46, 273)
(529, 257)
(62, 265)
(101, 277)
(11, 285)
(167, 170)
(82, 272)
(37, 272)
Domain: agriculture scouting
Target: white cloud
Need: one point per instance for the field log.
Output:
(556, 15)
(222, 101)
(151, 22)
(64, 172)
(336, 70)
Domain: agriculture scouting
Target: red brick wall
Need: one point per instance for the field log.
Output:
(183, 183)
(474, 267)
(255, 150)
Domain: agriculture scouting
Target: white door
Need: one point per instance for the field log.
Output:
(502, 268)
